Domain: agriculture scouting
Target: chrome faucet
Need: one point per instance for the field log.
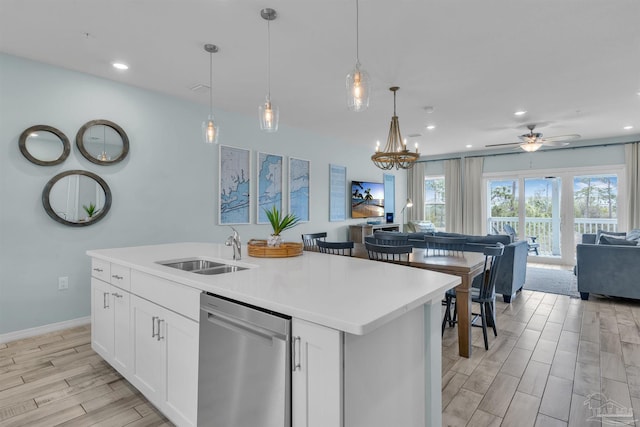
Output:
(234, 242)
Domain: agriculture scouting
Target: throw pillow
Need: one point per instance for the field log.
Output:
(618, 235)
(608, 240)
(634, 235)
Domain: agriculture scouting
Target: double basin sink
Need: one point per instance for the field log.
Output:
(202, 266)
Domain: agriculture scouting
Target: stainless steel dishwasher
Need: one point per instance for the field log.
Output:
(244, 365)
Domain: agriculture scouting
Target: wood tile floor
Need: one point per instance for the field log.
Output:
(554, 360)
(551, 354)
(57, 380)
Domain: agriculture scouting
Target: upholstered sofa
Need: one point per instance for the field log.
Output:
(608, 269)
(512, 270)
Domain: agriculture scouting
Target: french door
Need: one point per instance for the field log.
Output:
(554, 207)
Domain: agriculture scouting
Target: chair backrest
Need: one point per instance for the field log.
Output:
(492, 255)
(309, 241)
(390, 238)
(389, 253)
(508, 229)
(335, 248)
(443, 245)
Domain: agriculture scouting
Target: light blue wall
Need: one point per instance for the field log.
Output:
(165, 191)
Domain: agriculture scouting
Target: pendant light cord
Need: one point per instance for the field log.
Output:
(211, 83)
(357, 33)
(269, 60)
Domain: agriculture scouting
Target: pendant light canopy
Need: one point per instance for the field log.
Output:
(209, 127)
(358, 80)
(268, 114)
(395, 153)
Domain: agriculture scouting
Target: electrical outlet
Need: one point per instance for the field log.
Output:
(63, 283)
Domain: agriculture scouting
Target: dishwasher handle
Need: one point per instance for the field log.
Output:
(247, 329)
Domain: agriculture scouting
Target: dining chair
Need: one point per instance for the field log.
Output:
(335, 248)
(443, 245)
(391, 238)
(482, 292)
(310, 241)
(389, 253)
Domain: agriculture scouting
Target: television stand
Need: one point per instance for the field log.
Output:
(358, 232)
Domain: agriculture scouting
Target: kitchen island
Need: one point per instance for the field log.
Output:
(367, 334)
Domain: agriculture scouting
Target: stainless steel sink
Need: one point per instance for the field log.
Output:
(202, 266)
(220, 270)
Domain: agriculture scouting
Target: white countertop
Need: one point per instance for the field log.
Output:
(348, 294)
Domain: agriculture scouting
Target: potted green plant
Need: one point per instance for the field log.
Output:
(90, 210)
(279, 224)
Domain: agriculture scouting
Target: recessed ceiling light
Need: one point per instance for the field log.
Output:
(520, 113)
(431, 127)
(120, 66)
(468, 145)
(627, 127)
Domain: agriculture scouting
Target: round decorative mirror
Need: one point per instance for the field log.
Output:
(44, 145)
(102, 142)
(77, 198)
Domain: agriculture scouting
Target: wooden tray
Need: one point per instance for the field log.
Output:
(259, 249)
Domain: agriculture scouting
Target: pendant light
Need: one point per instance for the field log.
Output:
(358, 79)
(395, 153)
(209, 128)
(267, 113)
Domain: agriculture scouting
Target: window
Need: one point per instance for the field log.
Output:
(434, 210)
(595, 203)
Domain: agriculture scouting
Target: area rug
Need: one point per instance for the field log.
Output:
(553, 281)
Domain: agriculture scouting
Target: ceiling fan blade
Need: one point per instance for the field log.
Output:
(503, 145)
(562, 137)
(548, 143)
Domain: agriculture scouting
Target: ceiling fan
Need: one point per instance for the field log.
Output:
(532, 141)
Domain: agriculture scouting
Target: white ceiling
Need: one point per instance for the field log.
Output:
(574, 65)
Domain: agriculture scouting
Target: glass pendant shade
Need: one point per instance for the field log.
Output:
(268, 114)
(210, 131)
(530, 146)
(358, 85)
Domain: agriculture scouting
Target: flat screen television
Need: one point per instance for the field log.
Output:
(367, 199)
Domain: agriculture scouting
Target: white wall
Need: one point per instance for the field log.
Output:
(164, 191)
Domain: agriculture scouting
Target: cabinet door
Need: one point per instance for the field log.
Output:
(317, 376)
(148, 356)
(181, 336)
(121, 322)
(101, 319)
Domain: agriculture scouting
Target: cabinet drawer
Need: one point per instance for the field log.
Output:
(100, 269)
(121, 277)
(174, 296)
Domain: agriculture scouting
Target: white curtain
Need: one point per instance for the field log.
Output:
(632, 160)
(415, 191)
(472, 202)
(453, 195)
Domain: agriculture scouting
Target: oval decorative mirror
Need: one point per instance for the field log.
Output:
(77, 198)
(44, 145)
(102, 142)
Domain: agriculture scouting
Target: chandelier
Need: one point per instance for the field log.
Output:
(395, 153)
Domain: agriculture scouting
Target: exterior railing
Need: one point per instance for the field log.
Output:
(542, 230)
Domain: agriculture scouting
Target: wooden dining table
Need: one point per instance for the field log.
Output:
(465, 265)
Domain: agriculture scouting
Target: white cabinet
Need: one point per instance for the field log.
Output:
(317, 375)
(110, 324)
(372, 380)
(165, 365)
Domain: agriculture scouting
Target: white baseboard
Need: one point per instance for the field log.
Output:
(45, 329)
